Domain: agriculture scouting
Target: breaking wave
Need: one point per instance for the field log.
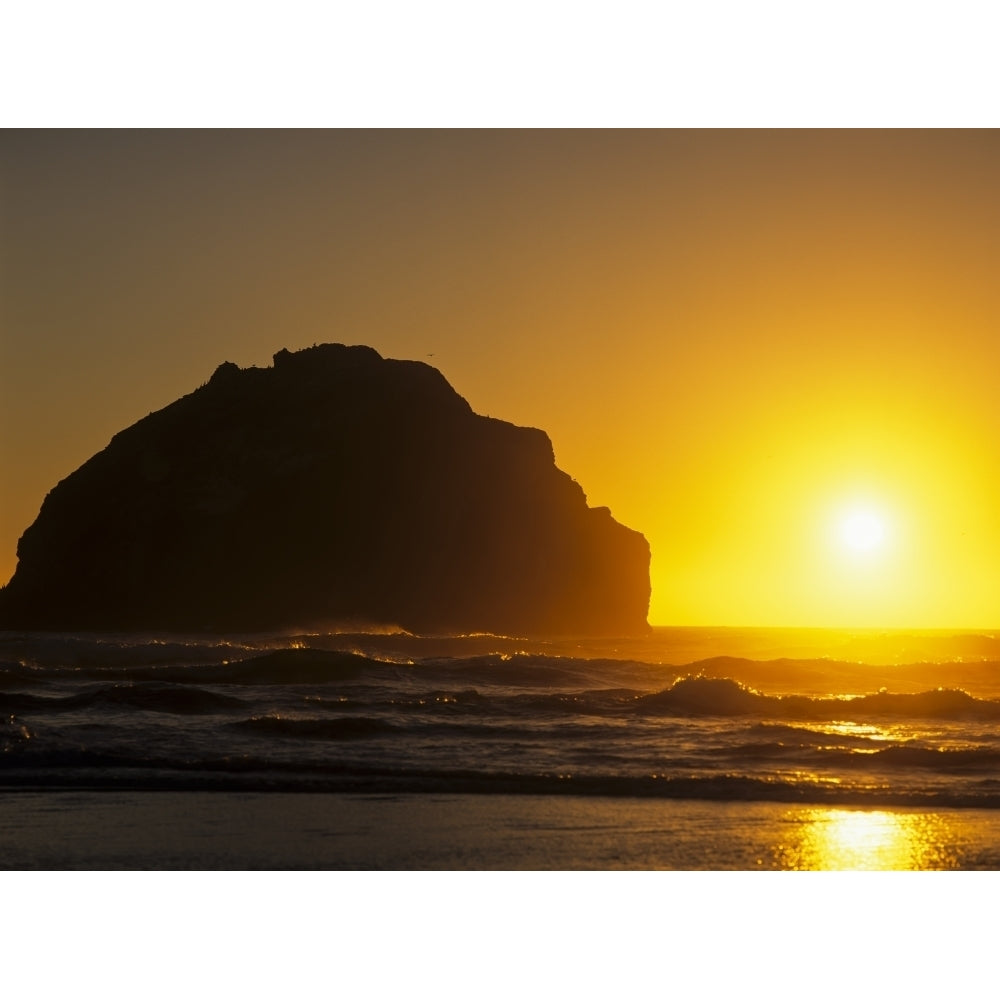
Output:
(727, 697)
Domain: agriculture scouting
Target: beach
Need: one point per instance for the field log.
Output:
(237, 830)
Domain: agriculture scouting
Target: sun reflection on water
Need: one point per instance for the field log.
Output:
(867, 840)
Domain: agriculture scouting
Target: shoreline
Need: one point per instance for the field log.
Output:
(227, 830)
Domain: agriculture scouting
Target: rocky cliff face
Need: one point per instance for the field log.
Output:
(336, 487)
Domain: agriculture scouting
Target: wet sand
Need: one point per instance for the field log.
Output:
(241, 830)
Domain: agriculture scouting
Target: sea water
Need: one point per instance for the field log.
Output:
(681, 748)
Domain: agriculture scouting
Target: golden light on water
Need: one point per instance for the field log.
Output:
(867, 840)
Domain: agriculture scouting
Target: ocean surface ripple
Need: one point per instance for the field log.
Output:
(779, 715)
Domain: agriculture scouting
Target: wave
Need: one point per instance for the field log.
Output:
(147, 697)
(282, 666)
(937, 759)
(75, 769)
(76, 652)
(824, 755)
(803, 735)
(832, 676)
(344, 728)
(720, 696)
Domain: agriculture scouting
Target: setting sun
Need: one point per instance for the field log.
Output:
(862, 531)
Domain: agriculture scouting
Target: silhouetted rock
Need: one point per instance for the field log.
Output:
(334, 487)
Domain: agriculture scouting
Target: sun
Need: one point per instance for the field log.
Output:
(862, 531)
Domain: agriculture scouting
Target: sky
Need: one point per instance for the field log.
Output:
(736, 340)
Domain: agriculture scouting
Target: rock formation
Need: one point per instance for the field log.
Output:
(336, 487)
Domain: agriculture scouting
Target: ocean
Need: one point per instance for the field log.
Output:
(686, 748)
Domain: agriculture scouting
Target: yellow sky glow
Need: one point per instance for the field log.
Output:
(732, 338)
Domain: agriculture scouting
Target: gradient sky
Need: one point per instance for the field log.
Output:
(734, 339)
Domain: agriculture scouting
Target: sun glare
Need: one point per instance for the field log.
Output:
(862, 531)
(863, 840)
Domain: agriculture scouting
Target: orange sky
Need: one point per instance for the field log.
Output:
(732, 338)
